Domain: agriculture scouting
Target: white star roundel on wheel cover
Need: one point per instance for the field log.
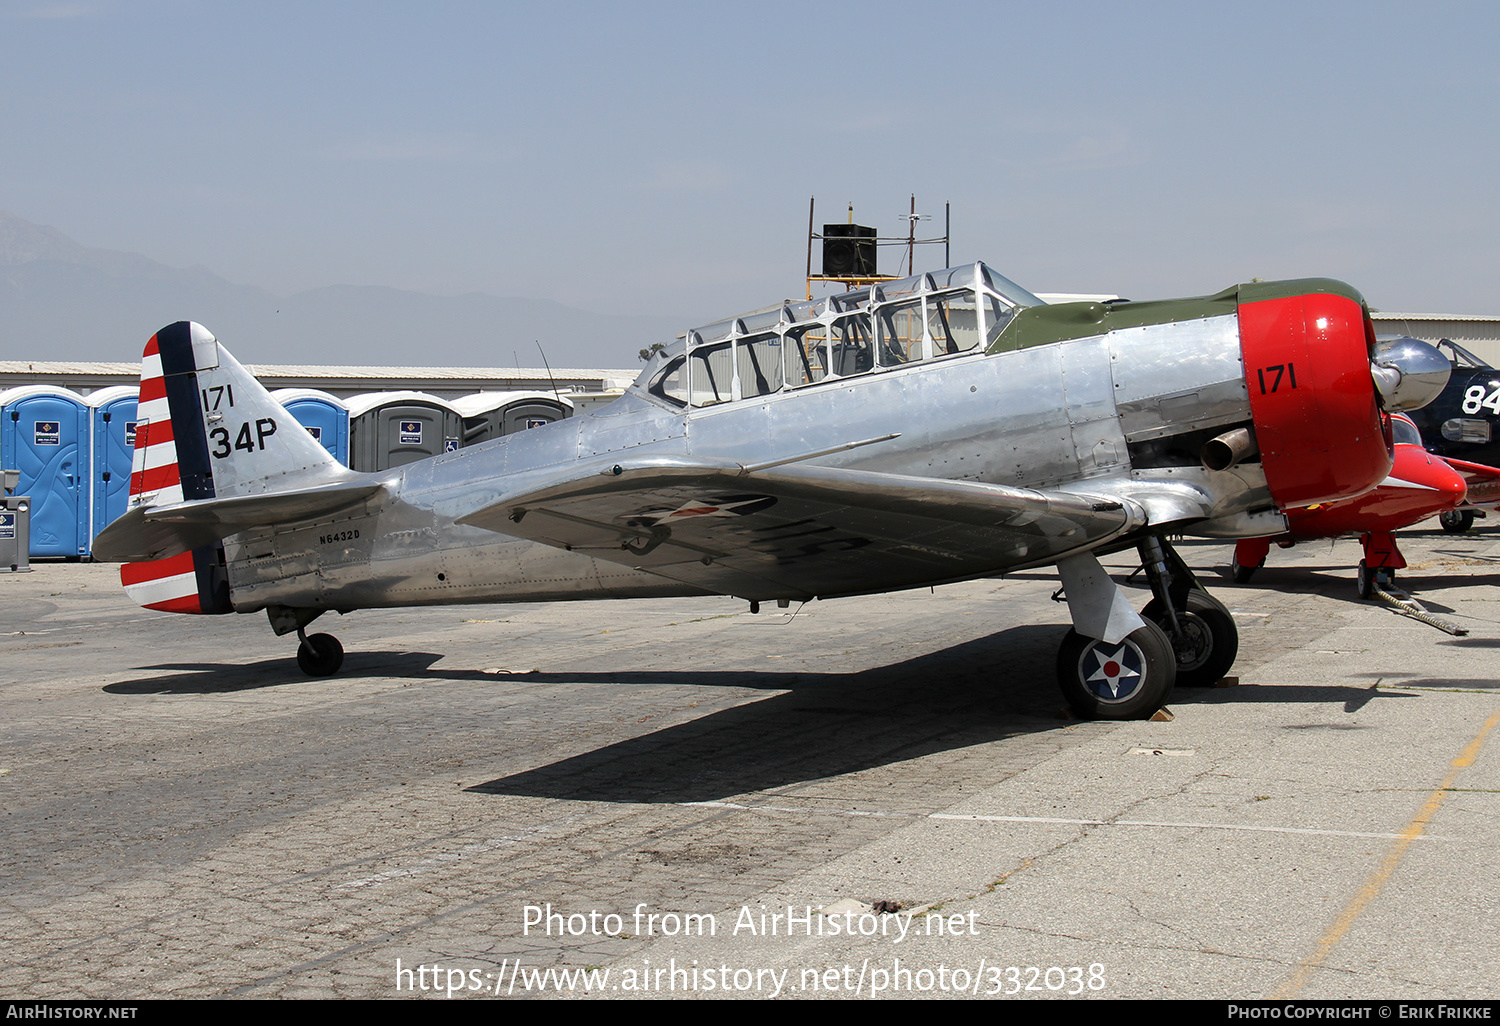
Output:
(1113, 672)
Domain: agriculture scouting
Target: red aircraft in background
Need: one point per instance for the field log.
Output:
(1419, 485)
(1484, 495)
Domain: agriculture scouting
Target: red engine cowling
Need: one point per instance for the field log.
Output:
(1307, 346)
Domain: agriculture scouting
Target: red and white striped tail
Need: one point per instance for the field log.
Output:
(207, 433)
(170, 584)
(154, 474)
(183, 583)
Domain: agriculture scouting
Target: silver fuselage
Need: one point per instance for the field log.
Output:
(1094, 415)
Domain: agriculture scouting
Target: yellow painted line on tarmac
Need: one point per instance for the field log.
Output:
(1382, 875)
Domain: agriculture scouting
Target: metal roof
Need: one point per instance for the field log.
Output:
(1384, 316)
(326, 371)
(339, 379)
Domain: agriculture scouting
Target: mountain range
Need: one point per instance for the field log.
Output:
(60, 300)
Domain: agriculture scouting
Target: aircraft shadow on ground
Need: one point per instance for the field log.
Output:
(828, 725)
(1472, 643)
(1396, 681)
(1352, 697)
(223, 678)
(825, 725)
(1336, 581)
(819, 725)
(217, 678)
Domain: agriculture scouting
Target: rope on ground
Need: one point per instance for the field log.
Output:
(1408, 606)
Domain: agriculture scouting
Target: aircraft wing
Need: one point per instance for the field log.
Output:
(801, 531)
(155, 532)
(1483, 481)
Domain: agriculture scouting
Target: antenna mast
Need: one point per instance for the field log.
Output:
(850, 250)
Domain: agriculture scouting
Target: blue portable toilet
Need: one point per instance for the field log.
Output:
(325, 417)
(111, 449)
(44, 433)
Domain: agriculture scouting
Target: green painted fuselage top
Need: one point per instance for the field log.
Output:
(1060, 322)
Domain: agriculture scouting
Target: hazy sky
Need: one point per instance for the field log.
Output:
(658, 158)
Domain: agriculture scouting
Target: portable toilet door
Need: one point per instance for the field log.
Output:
(392, 429)
(490, 415)
(535, 411)
(46, 438)
(112, 436)
(325, 416)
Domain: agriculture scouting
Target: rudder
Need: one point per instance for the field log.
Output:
(206, 429)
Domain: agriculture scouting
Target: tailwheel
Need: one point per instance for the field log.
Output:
(1129, 680)
(1207, 642)
(1456, 521)
(320, 655)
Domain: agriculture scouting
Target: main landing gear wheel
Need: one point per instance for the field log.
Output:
(1368, 578)
(320, 655)
(1127, 681)
(1209, 642)
(1456, 521)
(1242, 574)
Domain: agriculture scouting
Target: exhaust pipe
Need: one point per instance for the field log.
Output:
(1229, 449)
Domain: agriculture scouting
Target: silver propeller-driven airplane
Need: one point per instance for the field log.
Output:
(939, 428)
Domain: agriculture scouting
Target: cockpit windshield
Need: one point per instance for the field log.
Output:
(1460, 356)
(1404, 432)
(891, 324)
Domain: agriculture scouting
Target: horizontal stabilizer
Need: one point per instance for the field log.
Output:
(155, 532)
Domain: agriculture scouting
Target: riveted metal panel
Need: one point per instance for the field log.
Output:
(1174, 378)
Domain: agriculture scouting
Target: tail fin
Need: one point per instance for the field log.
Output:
(207, 429)
(214, 455)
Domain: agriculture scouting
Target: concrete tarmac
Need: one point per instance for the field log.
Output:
(676, 798)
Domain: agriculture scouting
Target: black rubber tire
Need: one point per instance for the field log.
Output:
(1242, 574)
(1213, 640)
(1367, 579)
(1456, 521)
(1149, 670)
(320, 656)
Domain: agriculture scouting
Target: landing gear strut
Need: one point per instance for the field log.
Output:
(1382, 560)
(1117, 664)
